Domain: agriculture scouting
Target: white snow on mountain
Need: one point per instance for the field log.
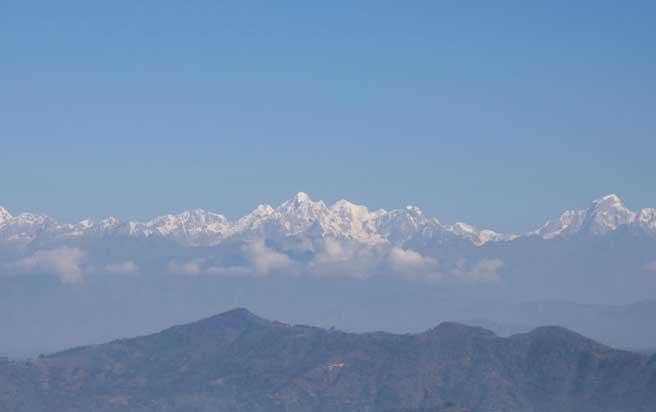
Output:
(4, 216)
(253, 222)
(476, 236)
(646, 220)
(400, 225)
(299, 236)
(298, 215)
(192, 227)
(605, 215)
(568, 223)
(303, 224)
(354, 221)
(25, 227)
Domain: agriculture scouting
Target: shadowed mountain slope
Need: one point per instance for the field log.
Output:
(237, 362)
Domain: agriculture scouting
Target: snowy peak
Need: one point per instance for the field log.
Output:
(476, 236)
(263, 211)
(400, 225)
(646, 220)
(415, 214)
(253, 221)
(25, 227)
(301, 217)
(302, 204)
(304, 221)
(350, 212)
(4, 215)
(299, 214)
(611, 200)
(193, 227)
(302, 197)
(463, 228)
(345, 207)
(99, 228)
(346, 219)
(301, 201)
(568, 223)
(605, 215)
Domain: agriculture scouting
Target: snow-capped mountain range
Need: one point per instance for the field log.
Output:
(306, 221)
(605, 215)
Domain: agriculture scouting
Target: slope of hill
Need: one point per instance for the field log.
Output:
(240, 362)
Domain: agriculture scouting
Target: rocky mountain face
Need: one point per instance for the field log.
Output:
(240, 362)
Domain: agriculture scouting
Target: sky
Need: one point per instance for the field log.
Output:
(499, 114)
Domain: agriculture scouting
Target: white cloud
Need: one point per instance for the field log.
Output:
(409, 263)
(340, 258)
(198, 267)
(265, 260)
(122, 268)
(343, 259)
(63, 262)
(191, 267)
(484, 270)
(260, 260)
(651, 267)
(229, 271)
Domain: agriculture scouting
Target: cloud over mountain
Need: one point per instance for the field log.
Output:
(412, 263)
(63, 262)
(306, 237)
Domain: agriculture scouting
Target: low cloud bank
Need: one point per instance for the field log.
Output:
(70, 265)
(63, 262)
(335, 259)
(256, 259)
(330, 258)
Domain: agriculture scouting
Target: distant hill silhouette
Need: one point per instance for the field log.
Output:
(239, 362)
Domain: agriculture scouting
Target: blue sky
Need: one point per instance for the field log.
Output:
(497, 114)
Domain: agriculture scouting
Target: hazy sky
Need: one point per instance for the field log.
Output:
(496, 113)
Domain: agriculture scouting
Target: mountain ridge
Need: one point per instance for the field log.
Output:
(303, 217)
(237, 361)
